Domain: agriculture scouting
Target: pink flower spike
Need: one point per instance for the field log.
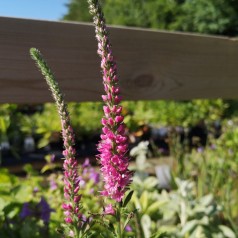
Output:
(113, 145)
(70, 164)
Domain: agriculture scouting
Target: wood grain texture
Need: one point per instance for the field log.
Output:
(152, 64)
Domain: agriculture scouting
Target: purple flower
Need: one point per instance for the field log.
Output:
(35, 190)
(52, 158)
(213, 146)
(53, 185)
(44, 210)
(200, 149)
(128, 228)
(89, 173)
(94, 176)
(26, 211)
(86, 163)
(40, 210)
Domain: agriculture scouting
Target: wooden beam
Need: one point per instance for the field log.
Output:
(152, 64)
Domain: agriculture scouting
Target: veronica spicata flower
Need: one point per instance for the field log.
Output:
(72, 204)
(113, 146)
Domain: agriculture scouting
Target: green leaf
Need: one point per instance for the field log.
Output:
(59, 230)
(146, 225)
(28, 168)
(136, 201)
(144, 200)
(83, 228)
(159, 234)
(3, 204)
(127, 199)
(227, 231)
(189, 226)
(111, 228)
(12, 210)
(173, 183)
(43, 142)
(155, 207)
(150, 182)
(206, 200)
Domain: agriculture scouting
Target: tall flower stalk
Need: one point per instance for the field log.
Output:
(71, 204)
(113, 146)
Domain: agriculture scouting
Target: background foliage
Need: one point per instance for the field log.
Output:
(203, 16)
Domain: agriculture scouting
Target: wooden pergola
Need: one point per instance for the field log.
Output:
(152, 64)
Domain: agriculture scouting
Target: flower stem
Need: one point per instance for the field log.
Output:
(72, 205)
(119, 225)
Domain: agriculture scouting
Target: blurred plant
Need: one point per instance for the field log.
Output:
(4, 142)
(81, 113)
(147, 214)
(10, 134)
(178, 212)
(47, 125)
(210, 167)
(50, 165)
(197, 217)
(163, 113)
(140, 153)
(28, 127)
(24, 212)
(4, 125)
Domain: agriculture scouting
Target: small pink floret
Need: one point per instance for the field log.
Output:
(109, 210)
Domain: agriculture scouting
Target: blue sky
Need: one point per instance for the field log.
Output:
(35, 9)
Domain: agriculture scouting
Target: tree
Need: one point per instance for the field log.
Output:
(203, 16)
(78, 11)
(208, 16)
